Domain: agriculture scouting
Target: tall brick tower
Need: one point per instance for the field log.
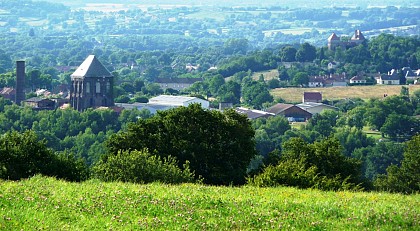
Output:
(20, 82)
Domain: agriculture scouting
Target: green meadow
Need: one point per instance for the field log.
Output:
(42, 203)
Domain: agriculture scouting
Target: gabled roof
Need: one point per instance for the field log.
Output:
(357, 77)
(7, 91)
(316, 79)
(91, 67)
(172, 100)
(36, 99)
(280, 107)
(308, 105)
(390, 77)
(253, 114)
(333, 36)
(312, 96)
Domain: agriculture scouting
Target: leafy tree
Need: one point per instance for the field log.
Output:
(255, 94)
(22, 155)
(288, 54)
(319, 165)
(301, 79)
(306, 53)
(230, 92)
(218, 145)
(141, 167)
(352, 138)
(273, 83)
(403, 126)
(215, 83)
(404, 179)
(235, 46)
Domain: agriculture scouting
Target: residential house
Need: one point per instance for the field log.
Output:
(291, 112)
(8, 93)
(253, 114)
(410, 75)
(178, 101)
(315, 108)
(391, 78)
(176, 83)
(336, 80)
(39, 104)
(358, 79)
(332, 65)
(315, 97)
(316, 81)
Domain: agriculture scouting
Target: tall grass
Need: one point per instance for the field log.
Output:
(42, 203)
(334, 93)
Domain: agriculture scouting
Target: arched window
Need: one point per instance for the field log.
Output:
(87, 87)
(98, 87)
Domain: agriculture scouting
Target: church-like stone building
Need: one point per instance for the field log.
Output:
(91, 85)
(334, 41)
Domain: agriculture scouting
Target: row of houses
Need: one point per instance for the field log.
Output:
(393, 77)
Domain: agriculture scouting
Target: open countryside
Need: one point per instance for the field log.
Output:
(339, 93)
(209, 115)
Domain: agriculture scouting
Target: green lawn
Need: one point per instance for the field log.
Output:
(47, 204)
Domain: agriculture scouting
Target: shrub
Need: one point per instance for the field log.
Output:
(141, 167)
(22, 155)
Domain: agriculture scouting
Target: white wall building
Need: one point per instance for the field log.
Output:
(178, 101)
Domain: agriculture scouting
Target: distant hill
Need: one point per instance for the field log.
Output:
(242, 3)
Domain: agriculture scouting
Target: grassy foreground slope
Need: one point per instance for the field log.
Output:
(49, 204)
(333, 93)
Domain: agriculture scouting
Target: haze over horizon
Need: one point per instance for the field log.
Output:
(285, 3)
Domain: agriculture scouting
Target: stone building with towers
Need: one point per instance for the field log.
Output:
(91, 85)
(334, 41)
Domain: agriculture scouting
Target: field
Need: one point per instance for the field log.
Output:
(332, 93)
(47, 204)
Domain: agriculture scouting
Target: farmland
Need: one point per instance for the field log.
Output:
(49, 204)
(334, 93)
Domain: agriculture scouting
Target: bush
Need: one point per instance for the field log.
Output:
(22, 155)
(141, 167)
(320, 165)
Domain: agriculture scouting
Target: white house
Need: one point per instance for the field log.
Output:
(388, 79)
(358, 80)
(178, 101)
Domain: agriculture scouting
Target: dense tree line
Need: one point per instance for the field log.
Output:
(190, 144)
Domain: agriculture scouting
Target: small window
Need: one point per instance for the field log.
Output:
(108, 87)
(87, 87)
(98, 87)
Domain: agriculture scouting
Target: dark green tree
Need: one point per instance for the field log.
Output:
(219, 146)
(406, 178)
(288, 54)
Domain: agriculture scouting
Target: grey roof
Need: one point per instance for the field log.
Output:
(280, 107)
(91, 67)
(253, 114)
(172, 100)
(36, 99)
(390, 77)
(308, 105)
